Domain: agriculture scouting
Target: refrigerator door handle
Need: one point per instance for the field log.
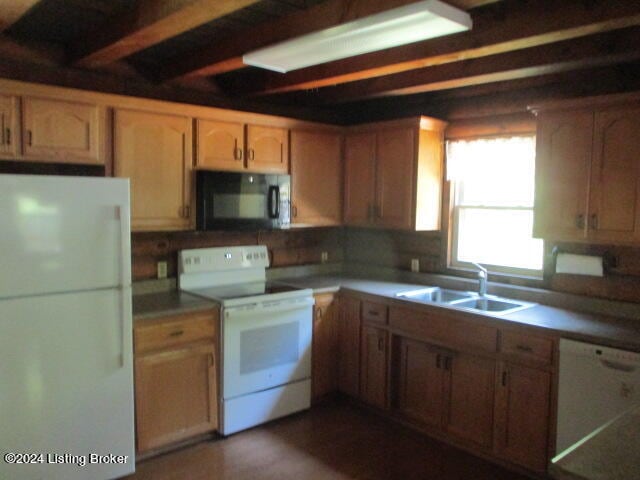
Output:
(122, 214)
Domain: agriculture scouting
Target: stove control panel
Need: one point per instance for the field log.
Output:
(223, 258)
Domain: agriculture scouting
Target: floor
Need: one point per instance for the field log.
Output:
(336, 441)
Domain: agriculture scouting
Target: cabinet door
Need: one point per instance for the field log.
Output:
(373, 366)
(63, 131)
(176, 396)
(220, 145)
(615, 176)
(8, 126)
(325, 346)
(395, 176)
(421, 382)
(563, 162)
(154, 151)
(359, 178)
(471, 398)
(349, 346)
(522, 415)
(316, 178)
(267, 149)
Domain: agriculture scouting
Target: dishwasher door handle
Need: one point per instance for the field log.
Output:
(621, 367)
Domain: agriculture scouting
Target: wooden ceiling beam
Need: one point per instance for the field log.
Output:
(13, 10)
(227, 56)
(151, 22)
(589, 52)
(499, 28)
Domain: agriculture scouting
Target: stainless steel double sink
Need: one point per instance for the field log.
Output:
(466, 300)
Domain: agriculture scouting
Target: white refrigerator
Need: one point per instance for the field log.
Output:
(66, 359)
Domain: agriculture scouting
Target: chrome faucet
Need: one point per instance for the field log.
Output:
(483, 276)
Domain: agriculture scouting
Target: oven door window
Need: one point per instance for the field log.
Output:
(263, 348)
(268, 347)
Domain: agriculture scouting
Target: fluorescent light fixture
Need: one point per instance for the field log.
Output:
(399, 26)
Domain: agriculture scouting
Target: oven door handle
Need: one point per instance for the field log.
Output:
(285, 306)
(274, 201)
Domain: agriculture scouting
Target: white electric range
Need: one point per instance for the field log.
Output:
(266, 333)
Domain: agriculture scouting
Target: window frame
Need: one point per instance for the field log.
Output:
(455, 194)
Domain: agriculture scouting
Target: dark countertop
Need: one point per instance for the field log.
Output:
(153, 305)
(610, 453)
(609, 330)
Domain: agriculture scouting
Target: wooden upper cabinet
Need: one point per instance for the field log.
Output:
(154, 151)
(393, 174)
(395, 177)
(359, 178)
(267, 149)
(523, 406)
(349, 346)
(471, 398)
(615, 176)
(421, 382)
(63, 131)
(373, 365)
(316, 178)
(587, 170)
(8, 126)
(324, 373)
(563, 162)
(220, 145)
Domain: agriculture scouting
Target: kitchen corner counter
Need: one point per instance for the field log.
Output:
(610, 453)
(153, 305)
(596, 328)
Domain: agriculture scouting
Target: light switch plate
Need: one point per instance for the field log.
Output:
(161, 269)
(415, 264)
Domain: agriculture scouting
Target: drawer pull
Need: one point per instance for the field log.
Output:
(504, 378)
(524, 348)
(373, 313)
(381, 344)
(176, 333)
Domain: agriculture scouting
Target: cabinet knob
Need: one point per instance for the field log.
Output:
(251, 154)
(504, 378)
(381, 344)
(29, 137)
(593, 222)
(580, 221)
(8, 138)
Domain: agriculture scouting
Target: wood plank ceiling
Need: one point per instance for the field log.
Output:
(197, 46)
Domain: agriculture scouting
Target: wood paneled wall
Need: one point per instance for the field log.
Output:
(393, 249)
(620, 282)
(286, 247)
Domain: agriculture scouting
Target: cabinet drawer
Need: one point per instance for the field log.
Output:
(527, 347)
(444, 330)
(172, 331)
(374, 312)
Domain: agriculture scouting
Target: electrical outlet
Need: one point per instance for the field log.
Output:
(161, 269)
(415, 264)
(324, 257)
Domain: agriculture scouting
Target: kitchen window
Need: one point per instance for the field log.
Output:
(493, 190)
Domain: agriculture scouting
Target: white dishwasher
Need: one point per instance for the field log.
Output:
(596, 384)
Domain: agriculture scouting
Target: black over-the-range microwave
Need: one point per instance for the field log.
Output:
(230, 200)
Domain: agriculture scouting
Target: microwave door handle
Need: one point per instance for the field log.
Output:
(274, 201)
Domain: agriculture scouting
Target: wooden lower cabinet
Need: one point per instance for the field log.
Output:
(175, 396)
(324, 369)
(374, 349)
(420, 388)
(523, 403)
(176, 379)
(471, 398)
(349, 346)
